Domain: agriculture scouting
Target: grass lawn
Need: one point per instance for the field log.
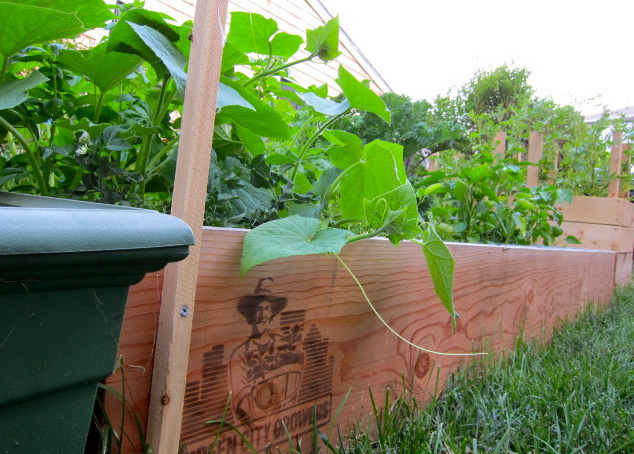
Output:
(574, 395)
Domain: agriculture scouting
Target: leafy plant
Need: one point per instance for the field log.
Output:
(333, 188)
(486, 201)
(99, 123)
(102, 123)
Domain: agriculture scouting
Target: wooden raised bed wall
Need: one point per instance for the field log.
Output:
(322, 339)
(605, 223)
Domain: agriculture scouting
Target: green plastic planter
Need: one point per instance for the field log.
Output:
(65, 270)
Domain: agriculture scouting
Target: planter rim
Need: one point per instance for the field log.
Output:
(42, 225)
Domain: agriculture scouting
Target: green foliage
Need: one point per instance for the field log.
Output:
(289, 237)
(334, 188)
(485, 200)
(103, 124)
(502, 88)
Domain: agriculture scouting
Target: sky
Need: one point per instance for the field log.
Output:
(578, 52)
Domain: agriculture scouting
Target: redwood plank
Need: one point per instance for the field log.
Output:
(501, 291)
(599, 210)
(598, 236)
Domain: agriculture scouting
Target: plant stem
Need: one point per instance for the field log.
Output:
(364, 236)
(335, 183)
(159, 156)
(300, 131)
(79, 173)
(29, 154)
(312, 139)
(99, 106)
(276, 69)
(386, 324)
(146, 146)
(3, 71)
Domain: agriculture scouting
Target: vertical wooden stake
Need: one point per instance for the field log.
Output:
(616, 158)
(535, 146)
(190, 188)
(626, 165)
(500, 144)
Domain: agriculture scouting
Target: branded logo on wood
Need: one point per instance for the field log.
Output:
(277, 382)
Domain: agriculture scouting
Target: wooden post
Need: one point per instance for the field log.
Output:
(535, 145)
(500, 144)
(626, 166)
(614, 189)
(190, 188)
(432, 164)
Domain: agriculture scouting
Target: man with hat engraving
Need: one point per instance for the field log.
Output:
(265, 370)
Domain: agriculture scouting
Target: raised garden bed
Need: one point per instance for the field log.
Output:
(326, 340)
(606, 224)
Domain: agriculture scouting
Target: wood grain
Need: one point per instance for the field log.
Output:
(616, 159)
(188, 203)
(602, 237)
(136, 351)
(500, 292)
(535, 148)
(500, 144)
(599, 210)
(623, 271)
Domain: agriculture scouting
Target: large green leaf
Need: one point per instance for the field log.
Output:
(285, 45)
(323, 105)
(14, 92)
(228, 96)
(397, 153)
(248, 199)
(124, 38)
(24, 25)
(167, 53)
(324, 41)
(105, 70)
(92, 13)
(252, 142)
(441, 267)
(251, 32)
(375, 174)
(289, 237)
(360, 96)
(395, 213)
(84, 124)
(461, 191)
(347, 150)
(264, 121)
(232, 56)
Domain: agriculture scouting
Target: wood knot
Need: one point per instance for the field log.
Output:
(165, 399)
(423, 364)
(267, 395)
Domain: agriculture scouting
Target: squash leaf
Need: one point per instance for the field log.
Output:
(105, 70)
(24, 25)
(14, 92)
(289, 237)
(441, 268)
(324, 41)
(395, 213)
(360, 96)
(376, 173)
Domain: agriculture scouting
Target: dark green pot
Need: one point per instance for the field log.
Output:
(65, 270)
